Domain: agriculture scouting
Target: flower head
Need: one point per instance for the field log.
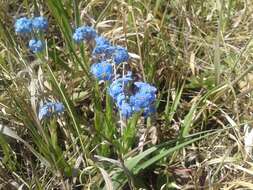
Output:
(120, 55)
(84, 33)
(145, 87)
(102, 70)
(59, 107)
(50, 108)
(103, 51)
(141, 100)
(101, 41)
(121, 98)
(39, 23)
(36, 45)
(117, 91)
(144, 98)
(117, 87)
(23, 25)
(126, 110)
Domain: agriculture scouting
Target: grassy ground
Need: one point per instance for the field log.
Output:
(197, 53)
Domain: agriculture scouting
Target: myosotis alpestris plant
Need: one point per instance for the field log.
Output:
(25, 26)
(108, 66)
(140, 98)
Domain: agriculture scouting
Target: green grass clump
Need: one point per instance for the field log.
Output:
(196, 53)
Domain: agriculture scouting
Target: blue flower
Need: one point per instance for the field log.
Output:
(141, 100)
(149, 110)
(44, 111)
(103, 51)
(36, 45)
(39, 23)
(120, 99)
(117, 92)
(23, 25)
(115, 89)
(84, 33)
(102, 70)
(59, 107)
(50, 108)
(145, 87)
(78, 35)
(117, 86)
(126, 110)
(144, 98)
(120, 55)
(101, 41)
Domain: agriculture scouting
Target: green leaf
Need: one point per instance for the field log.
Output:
(187, 123)
(161, 151)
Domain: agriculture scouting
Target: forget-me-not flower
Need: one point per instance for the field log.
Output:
(120, 55)
(101, 41)
(140, 98)
(23, 25)
(102, 70)
(126, 110)
(39, 23)
(144, 98)
(103, 52)
(84, 33)
(36, 45)
(117, 86)
(145, 87)
(50, 108)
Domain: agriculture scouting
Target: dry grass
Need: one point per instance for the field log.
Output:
(197, 53)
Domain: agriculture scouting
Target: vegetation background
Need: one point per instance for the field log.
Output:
(197, 53)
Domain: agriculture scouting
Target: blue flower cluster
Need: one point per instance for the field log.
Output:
(144, 98)
(84, 33)
(39, 23)
(102, 70)
(36, 45)
(104, 52)
(140, 99)
(50, 108)
(25, 25)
